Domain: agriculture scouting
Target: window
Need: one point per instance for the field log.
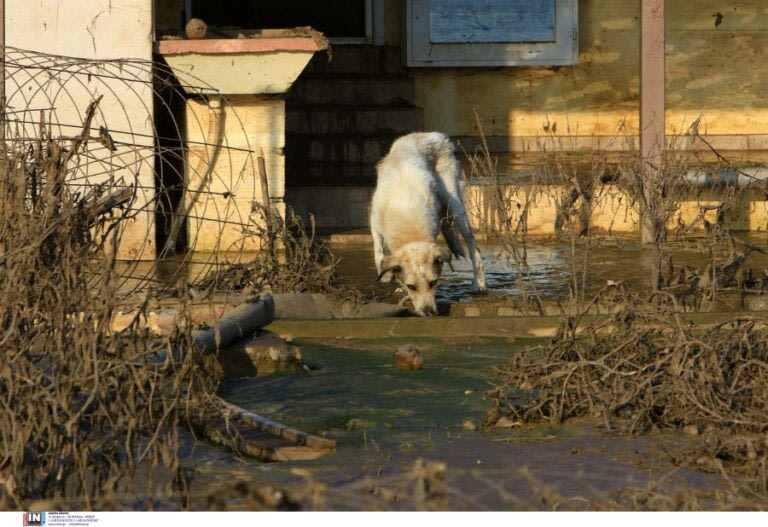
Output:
(491, 32)
(342, 22)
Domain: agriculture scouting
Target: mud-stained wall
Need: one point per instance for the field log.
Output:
(94, 29)
(717, 68)
(252, 125)
(717, 65)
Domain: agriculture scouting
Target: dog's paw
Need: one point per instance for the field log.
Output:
(480, 287)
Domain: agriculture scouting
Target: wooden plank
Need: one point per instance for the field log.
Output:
(652, 104)
(279, 430)
(467, 21)
(255, 443)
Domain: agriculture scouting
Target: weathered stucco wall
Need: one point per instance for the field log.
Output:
(251, 123)
(612, 211)
(96, 29)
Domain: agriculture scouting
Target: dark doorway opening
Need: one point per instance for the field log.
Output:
(334, 19)
(170, 147)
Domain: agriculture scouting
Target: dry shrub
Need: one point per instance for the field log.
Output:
(644, 368)
(293, 260)
(81, 408)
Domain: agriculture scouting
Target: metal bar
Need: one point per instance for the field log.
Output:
(652, 107)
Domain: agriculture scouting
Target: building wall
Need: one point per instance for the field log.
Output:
(94, 29)
(718, 72)
(252, 125)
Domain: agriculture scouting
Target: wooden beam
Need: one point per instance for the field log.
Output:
(652, 107)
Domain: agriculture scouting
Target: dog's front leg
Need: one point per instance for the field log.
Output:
(378, 250)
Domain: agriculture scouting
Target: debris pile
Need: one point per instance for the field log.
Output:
(644, 368)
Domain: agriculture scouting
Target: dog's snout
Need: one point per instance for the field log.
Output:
(429, 311)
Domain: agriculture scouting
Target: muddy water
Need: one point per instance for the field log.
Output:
(385, 419)
(552, 266)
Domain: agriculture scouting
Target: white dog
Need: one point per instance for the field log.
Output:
(418, 195)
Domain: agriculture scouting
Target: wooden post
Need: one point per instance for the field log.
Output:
(652, 89)
(266, 202)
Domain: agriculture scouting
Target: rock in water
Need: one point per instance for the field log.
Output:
(196, 29)
(408, 358)
(469, 425)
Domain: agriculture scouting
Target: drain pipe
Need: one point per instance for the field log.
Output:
(727, 177)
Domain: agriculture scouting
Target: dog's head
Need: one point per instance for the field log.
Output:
(416, 266)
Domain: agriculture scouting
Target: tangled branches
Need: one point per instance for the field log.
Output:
(303, 264)
(81, 408)
(642, 368)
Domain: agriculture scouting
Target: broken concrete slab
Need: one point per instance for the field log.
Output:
(262, 353)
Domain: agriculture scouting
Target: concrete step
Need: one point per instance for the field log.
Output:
(354, 120)
(357, 59)
(363, 90)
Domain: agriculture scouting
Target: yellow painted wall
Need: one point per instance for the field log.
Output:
(718, 72)
(221, 212)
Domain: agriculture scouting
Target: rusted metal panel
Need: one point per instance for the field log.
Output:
(463, 21)
(495, 45)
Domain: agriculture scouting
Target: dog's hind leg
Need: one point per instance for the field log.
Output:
(474, 253)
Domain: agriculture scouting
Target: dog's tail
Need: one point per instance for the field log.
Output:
(439, 148)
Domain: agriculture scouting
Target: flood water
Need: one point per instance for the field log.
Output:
(552, 266)
(385, 419)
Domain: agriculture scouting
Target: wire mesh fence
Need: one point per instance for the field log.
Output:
(182, 161)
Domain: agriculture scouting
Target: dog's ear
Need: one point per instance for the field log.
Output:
(390, 265)
(441, 255)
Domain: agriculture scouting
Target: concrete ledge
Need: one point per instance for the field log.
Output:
(523, 327)
(242, 45)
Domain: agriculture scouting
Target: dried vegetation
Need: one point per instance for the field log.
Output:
(293, 260)
(641, 367)
(644, 368)
(88, 418)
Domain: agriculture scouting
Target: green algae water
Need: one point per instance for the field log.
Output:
(385, 420)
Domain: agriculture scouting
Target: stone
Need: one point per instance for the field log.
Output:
(408, 358)
(691, 430)
(506, 422)
(260, 354)
(469, 425)
(196, 28)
